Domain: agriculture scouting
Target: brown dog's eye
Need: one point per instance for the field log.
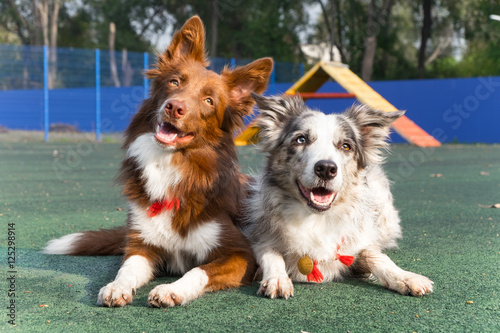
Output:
(346, 147)
(209, 101)
(174, 83)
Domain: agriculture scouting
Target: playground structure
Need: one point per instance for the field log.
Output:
(311, 81)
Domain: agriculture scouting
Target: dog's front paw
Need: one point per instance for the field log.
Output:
(166, 296)
(281, 286)
(412, 284)
(418, 285)
(115, 294)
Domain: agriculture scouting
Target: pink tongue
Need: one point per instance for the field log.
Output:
(321, 195)
(168, 133)
(168, 136)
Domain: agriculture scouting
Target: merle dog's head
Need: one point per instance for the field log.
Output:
(314, 156)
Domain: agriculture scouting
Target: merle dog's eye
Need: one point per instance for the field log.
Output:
(301, 140)
(174, 83)
(346, 147)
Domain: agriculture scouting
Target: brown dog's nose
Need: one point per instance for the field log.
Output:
(175, 108)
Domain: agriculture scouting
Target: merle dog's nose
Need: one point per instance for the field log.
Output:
(175, 108)
(325, 169)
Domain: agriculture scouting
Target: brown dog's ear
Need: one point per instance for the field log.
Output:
(241, 83)
(189, 42)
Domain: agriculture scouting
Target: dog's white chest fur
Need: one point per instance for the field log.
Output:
(312, 235)
(159, 175)
(157, 231)
(322, 237)
(155, 161)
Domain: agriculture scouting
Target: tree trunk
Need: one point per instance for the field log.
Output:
(127, 72)
(338, 32)
(214, 29)
(330, 26)
(26, 61)
(370, 44)
(53, 23)
(53, 44)
(112, 59)
(385, 18)
(43, 8)
(368, 58)
(374, 26)
(426, 33)
(35, 38)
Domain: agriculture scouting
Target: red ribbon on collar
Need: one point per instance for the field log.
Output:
(316, 274)
(158, 206)
(346, 260)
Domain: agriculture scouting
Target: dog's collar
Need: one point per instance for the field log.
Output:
(309, 267)
(158, 206)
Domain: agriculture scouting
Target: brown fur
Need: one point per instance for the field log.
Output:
(101, 243)
(231, 265)
(204, 190)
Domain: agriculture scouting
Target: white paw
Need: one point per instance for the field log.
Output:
(412, 284)
(167, 295)
(190, 286)
(274, 287)
(115, 294)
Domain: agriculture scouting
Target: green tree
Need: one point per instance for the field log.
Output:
(250, 29)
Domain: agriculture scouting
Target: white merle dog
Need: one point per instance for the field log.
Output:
(322, 208)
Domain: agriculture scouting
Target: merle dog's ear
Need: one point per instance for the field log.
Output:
(275, 113)
(373, 131)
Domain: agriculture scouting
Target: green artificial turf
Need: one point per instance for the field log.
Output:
(450, 235)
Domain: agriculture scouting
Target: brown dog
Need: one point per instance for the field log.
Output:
(182, 181)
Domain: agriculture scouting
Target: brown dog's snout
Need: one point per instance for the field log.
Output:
(175, 108)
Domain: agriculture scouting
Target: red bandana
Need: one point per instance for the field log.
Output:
(158, 206)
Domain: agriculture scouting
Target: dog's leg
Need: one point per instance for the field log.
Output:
(275, 281)
(230, 265)
(391, 276)
(139, 264)
(135, 271)
(190, 286)
(225, 272)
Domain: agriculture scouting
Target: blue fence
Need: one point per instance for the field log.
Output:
(93, 90)
(465, 110)
(84, 93)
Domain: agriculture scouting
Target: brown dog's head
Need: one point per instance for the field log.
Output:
(191, 106)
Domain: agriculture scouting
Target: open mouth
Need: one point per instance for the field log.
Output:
(318, 198)
(168, 134)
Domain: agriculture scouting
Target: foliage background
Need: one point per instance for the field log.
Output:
(379, 39)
